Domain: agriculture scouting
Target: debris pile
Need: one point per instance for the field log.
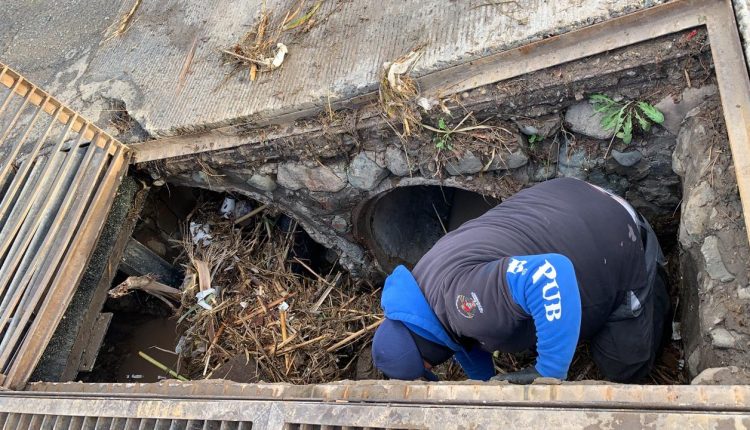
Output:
(260, 49)
(247, 298)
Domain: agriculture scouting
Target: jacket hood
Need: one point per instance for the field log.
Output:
(403, 301)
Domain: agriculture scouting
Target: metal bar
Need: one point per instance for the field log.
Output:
(71, 270)
(382, 414)
(62, 422)
(47, 422)
(19, 85)
(23, 421)
(132, 423)
(11, 421)
(51, 252)
(734, 88)
(10, 95)
(12, 296)
(10, 158)
(36, 421)
(11, 125)
(20, 176)
(10, 227)
(75, 423)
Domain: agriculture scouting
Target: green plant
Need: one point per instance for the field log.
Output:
(442, 140)
(534, 138)
(618, 116)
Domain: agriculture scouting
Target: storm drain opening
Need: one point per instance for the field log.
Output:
(401, 225)
(368, 200)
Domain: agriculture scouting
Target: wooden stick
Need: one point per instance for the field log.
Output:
(354, 335)
(257, 312)
(250, 214)
(162, 366)
(275, 348)
(303, 344)
(284, 336)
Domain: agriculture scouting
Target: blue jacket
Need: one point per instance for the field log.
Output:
(402, 300)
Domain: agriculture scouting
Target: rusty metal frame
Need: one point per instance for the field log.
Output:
(675, 16)
(384, 404)
(56, 189)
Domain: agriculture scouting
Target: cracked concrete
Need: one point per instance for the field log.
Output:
(60, 46)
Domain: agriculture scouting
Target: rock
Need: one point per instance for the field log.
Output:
(627, 159)
(200, 177)
(674, 113)
(714, 265)
(528, 130)
(582, 118)
(545, 126)
(296, 176)
(731, 375)
(428, 169)
(743, 293)
(506, 161)
(364, 173)
(339, 224)
(262, 182)
(396, 161)
(722, 338)
(695, 213)
(516, 159)
(571, 163)
(544, 173)
(466, 165)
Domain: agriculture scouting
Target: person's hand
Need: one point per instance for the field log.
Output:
(523, 377)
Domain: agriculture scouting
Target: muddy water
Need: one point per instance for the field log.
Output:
(147, 337)
(118, 359)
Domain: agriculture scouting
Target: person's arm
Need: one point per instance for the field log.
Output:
(545, 287)
(477, 363)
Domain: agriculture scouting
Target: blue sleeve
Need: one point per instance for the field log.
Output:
(545, 287)
(477, 363)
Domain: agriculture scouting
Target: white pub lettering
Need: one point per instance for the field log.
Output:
(550, 292)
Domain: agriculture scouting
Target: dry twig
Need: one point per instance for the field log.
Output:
(254, 270)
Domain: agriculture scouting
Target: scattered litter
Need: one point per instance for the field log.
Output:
(281, 51)
(200, 233)
(204, 295)
(227, 207)
(427, 104)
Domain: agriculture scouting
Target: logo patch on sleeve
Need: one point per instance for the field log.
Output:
(516, 266)
(468, 306)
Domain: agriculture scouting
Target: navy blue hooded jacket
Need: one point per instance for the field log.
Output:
(403, 301)
(545, 268)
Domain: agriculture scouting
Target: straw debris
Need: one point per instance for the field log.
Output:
(260, 49)
(398, 92)
(124, 23)
(246, 295)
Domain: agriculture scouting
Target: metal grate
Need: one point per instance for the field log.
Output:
(58, 176)
(63, 422)
(299, 426)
